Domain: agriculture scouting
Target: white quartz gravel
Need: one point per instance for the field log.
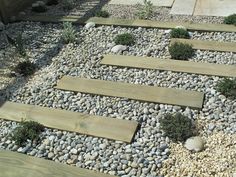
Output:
(144, 156)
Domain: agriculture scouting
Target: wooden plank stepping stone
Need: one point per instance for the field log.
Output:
(111, 128)
(131, 23)
(133, 91)
(170, 65)
(208, 45)
(13, 164)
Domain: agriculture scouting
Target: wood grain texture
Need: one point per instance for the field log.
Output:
(132, 23)
(111, 128)
(170, 65)
(14, 164)
(133, 91)
(208, 45)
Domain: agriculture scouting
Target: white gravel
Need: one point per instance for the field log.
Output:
(144, 156)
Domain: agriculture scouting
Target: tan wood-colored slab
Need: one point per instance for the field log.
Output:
(13, 164)
(133, 91)
(170, 65)
(209, 45)
(132, 23)
(215, 7)
(111, 128)
(183, 7)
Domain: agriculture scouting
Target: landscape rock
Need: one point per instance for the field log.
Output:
(89, 25)
(195, 143)
(181, 27)
(118, 48)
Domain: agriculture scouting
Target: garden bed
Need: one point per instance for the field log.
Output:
(150, 148)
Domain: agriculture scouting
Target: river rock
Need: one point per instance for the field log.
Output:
(195, 143)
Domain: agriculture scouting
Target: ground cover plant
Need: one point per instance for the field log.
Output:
(181, 51)
(145, 11)
(231, 19)
(18, 43)
(227, 87)
(68, 33)
(25, 68)
(102, 13)
(125, 39)
(27, 130)
(177, 127)
(179, 33)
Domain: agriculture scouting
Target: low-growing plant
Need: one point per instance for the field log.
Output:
(25, 68)
(227, 87)
(68, 33)
(18, 43)
(52, 2)
(102, 13)
(181, 51)
(68, 4)
(27, 130)
(177, 127)
(231, 19)
(145, 11)
(179, 33)
(125, 39)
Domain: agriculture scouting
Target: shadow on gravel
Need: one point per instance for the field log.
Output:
(18, 81)
(44, 58)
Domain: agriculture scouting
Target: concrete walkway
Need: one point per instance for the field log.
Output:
(190, 7)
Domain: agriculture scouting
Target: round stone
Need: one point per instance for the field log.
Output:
(195, 143)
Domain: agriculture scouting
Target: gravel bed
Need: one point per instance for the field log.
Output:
(87, 8)
(217, 160)
(143, 157)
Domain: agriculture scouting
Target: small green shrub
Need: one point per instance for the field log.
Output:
(68, 4)
(227, 87)
(125, 39)
(181, 51)
(145, 11)
(179, 33)
(231, 19)
(177, 127)
(102, 13)
(18, 43)
(68, 33)
(26, 68)
(52, 2)
(27, 130)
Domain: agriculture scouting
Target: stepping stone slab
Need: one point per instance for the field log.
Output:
(215, 7)
(162, 3)
(111, 128)
(131, 23)
(183, 7)
(13, 164)
(133, 91)
(208, 45)
(170, 65)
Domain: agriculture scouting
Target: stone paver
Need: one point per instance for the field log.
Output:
(215, 7)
